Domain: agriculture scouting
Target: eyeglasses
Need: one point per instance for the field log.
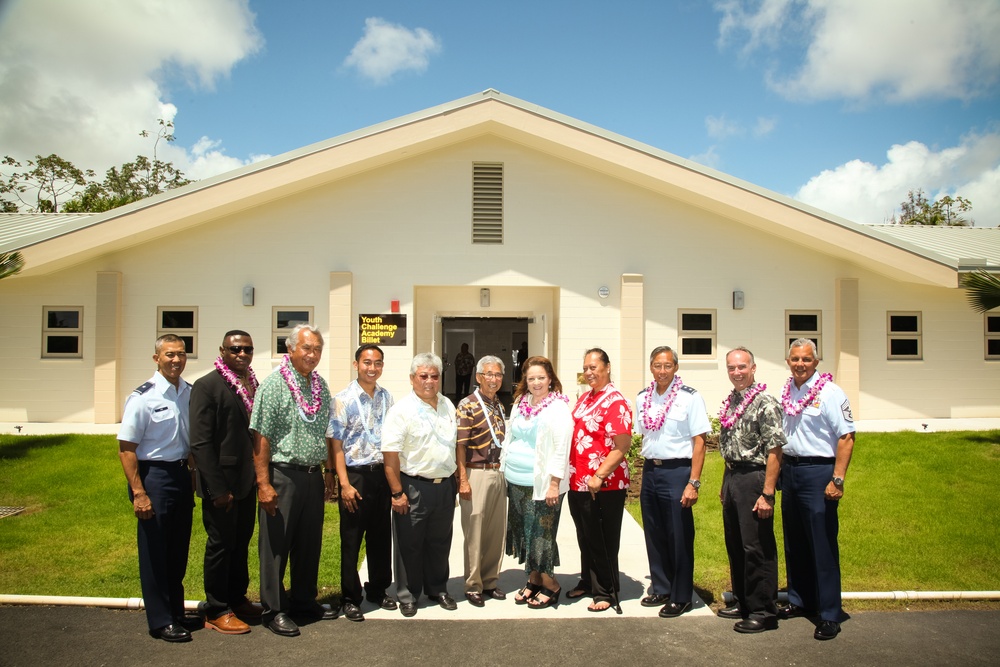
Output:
(236, 349)
(428, 376)
(492, 376)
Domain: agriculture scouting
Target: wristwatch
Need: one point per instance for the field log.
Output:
(769, 497)
(397, 495)
(696, 483)
(838, 481)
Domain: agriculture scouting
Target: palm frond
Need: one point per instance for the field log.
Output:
(11, 263)
(982, 289)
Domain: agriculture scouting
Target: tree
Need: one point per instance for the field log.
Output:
(44, 181)
(11, 264)
(982, 289)
(917, 210)
(133, 181)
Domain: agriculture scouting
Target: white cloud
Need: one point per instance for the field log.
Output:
(709, 158)
(387, 48)
(720, 127)
(899, 50)
(82, 79)
(764, 126)
(869, 193)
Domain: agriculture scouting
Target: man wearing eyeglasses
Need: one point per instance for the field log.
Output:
(482, 490)
(222, 446)
(418, 449)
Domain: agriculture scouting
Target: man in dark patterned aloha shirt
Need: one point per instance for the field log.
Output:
(750, 444)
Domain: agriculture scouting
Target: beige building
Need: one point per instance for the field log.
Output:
(492, 221)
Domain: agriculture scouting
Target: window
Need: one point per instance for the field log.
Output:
(283, 320)
(62, 332)
(487, 202)
(181, 321)
(991, 324)
(804, 324)
(904, 335)
(696, 334)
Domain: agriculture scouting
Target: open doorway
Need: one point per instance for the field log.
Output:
(497, 336)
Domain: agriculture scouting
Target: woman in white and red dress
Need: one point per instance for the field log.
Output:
(599, 479)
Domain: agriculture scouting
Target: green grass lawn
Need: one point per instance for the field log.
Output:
(920, 512)
(77, 535)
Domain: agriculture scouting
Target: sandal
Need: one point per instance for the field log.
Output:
(593, 607)
(552, 599)
(577, 592)
(529, 591)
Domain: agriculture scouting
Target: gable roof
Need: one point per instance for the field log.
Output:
(63, 241)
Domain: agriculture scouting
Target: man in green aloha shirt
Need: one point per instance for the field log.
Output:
(289, 420)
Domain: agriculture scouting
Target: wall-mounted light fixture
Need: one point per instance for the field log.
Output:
(738, 300)
(248, 295)
(484, 297)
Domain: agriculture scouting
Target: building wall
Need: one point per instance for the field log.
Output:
(406, 227)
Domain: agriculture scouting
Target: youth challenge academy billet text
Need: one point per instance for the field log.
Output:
(386, 330)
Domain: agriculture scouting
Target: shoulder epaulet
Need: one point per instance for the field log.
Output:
(689, 389)
(143, 388)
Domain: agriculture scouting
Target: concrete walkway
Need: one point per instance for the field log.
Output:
(632, 564)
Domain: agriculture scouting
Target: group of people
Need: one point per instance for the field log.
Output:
(801, 445)
(279, 449)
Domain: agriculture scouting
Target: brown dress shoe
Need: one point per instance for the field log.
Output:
(247, 609)
(228, 624)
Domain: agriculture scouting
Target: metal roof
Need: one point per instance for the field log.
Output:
(18, 231)
(968, 247)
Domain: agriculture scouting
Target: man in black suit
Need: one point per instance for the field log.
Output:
(222, 446)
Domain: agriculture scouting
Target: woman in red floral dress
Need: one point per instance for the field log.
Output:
(599, 480)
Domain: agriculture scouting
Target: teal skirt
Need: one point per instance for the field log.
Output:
(531, 530)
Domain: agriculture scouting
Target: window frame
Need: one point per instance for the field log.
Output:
(815, 336)
(278, 333)
(990, 335)
(191, 332)
(67, 332)
(691, 334)
(916, 336)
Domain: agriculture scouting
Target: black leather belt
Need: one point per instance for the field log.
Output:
(296, 466)
(745, 466)
(483, 466)
(432, 480)
(180, 463)
(808, 460)
(367, 466)
(669, 463)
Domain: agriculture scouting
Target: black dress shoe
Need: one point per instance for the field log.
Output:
(732, 611)
(751, 626)
(352, 612)
(792, 611)
(827, 630)
(408, 609)
(475, 599)
(320, 612)
(674, 609)
(190, 621)
(282, 624)
(171, 633)
(494, 593)
(445, 601)
(654, 600)
(383, 601)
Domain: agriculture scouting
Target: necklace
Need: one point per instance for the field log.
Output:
(293, 386)
(230, 377)
(528, 411)
(728, 420)
(647, 406)
(796, 407)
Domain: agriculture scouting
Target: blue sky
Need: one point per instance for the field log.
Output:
(839, 103)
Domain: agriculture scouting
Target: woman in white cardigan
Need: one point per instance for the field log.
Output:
(535, 462)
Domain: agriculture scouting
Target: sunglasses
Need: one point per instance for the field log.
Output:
(236, 349)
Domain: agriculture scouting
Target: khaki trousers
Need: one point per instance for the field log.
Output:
(484, 523)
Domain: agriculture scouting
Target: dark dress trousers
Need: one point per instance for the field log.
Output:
(223, 450)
